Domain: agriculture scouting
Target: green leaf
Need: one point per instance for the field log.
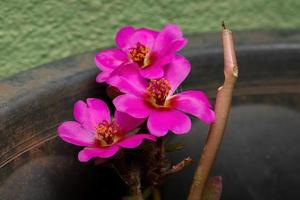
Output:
(213, 188)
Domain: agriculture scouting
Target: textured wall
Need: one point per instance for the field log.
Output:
(33, 32)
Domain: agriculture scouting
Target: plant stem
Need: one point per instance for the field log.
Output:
(160, 156)
(222, 108)
(131, 175)
(135, 184)
(178, 167)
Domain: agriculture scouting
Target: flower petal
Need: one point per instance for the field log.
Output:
(142, 36)
(132, 105)
(87, 153)
(123, 36)
(169, 40)
(135, 140)
(162, 60)
(103, 76)
(80, 112)
(195, 103)
(72, 132)
(149, 31)
(127, 122)
(98, 110)
(161, 121)
(110, 59)
(176, 72)
(91, 114)
(128, 80)
(152, 72)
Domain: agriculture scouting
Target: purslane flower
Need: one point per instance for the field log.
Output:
(155, 99)
(100, 135)
(149, 50)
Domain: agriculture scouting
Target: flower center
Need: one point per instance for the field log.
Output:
(140, 54)
(157, 91)
(108, 133)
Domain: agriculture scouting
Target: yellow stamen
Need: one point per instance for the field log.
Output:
(108, 133)
(158, 91)
(140, 54)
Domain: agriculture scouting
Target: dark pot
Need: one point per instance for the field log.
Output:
(260, 154)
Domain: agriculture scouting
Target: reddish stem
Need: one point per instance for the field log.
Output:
(222, 108)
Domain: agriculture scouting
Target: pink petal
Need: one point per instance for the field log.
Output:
(169, 40)
(142, 36)
(162, 60)
(176, 72)
(92, 113)
(87, 153)
(110, 59)
(127, 122)
(195, 103)
(98, 110)
(152, 72)
(123, 36)
(132, 105)
(80, 112)
(149, 31)
(135, 140)
(103, 76)
(161, 121)
(128, 80)
(72, 132)
(177, 45)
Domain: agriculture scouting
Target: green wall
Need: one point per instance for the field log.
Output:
(33, 32)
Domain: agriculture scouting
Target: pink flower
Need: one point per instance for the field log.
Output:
(155, 99)
(149, 50)
(98, 133)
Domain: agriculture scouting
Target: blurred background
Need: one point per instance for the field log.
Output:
(34, 32)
